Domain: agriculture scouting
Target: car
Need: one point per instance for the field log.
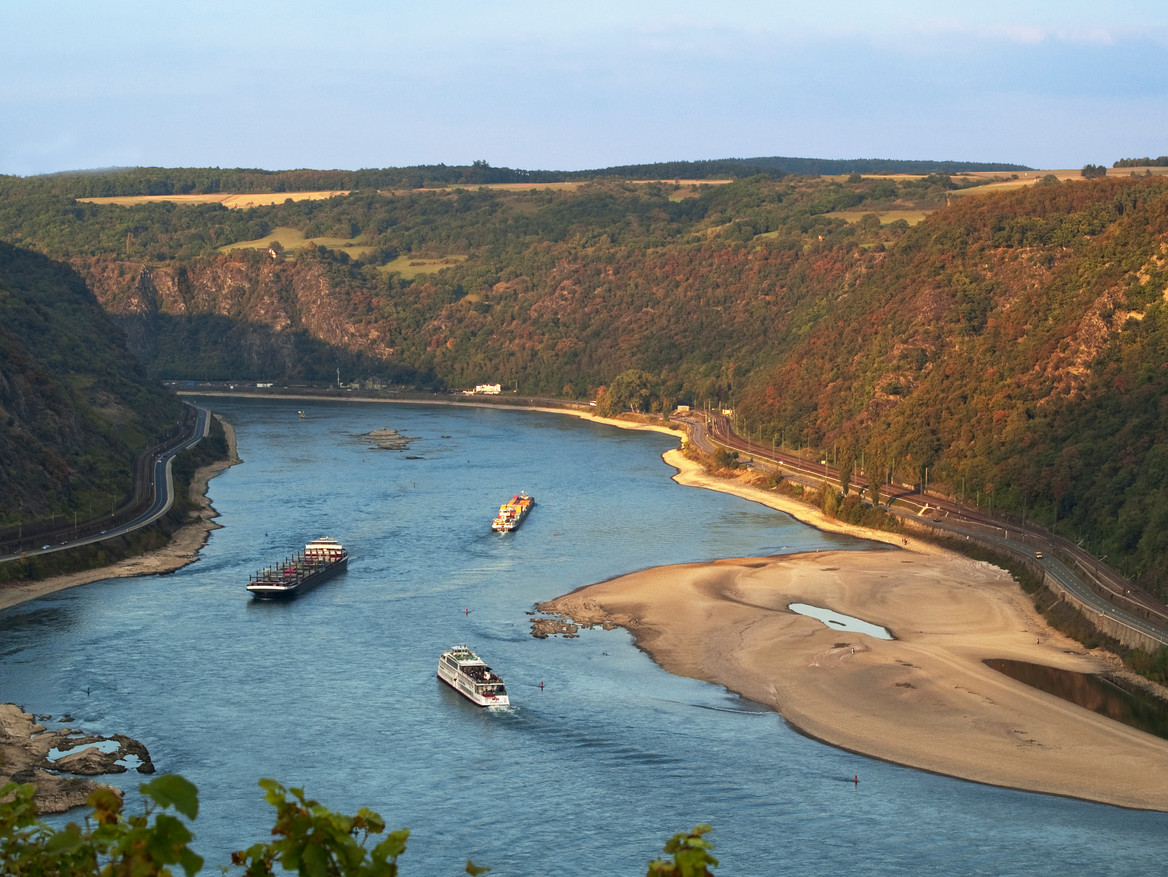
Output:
(1038, 554)
(46, 547)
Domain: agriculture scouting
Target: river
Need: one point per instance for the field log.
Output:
(602, 756)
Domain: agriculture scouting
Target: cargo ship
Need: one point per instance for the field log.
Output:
(512, 513)
(465, 672)
(322, 558)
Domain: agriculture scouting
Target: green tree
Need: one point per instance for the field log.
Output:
(631, 389)
(691, 853)
(311, 840)
(724, 458)
(136, 846)
(875, 475)
(847, 465)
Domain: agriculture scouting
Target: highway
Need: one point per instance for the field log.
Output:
(1081, 575)
(162, 484)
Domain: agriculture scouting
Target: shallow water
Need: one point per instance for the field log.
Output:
(591, 773)
(1132, 707)
(839, 621)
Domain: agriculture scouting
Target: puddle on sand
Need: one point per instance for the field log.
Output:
(837, 621)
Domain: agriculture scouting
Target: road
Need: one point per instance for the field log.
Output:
(162, 483)
(1085, 577)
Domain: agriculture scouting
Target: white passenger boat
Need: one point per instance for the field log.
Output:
(466, 673)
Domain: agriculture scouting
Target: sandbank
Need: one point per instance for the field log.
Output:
(925, 699)
(183, 547)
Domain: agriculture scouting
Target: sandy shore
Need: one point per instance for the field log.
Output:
(924, 699)
(182, 549)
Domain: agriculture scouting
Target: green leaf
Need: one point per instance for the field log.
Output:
(171, 790)
(191, 861)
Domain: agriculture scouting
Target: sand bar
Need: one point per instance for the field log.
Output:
(924, 699)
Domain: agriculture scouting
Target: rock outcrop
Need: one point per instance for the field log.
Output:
(26, 748)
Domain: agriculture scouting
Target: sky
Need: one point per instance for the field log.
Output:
(1051, 84)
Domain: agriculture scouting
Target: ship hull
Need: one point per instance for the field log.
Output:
(280, 591)
(321, 559)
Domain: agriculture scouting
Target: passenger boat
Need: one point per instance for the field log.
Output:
(466, 673)
(322, 558)
(512, 513)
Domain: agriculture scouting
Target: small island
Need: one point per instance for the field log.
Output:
(386, 439)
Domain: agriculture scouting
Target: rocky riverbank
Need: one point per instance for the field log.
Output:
(58, 762)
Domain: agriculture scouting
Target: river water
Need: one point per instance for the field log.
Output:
(602, 756)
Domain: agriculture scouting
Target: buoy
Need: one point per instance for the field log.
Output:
(541, 685)
(467, 611)
(856, 780)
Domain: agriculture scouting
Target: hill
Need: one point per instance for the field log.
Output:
(1004, 343)
(1015, 346)
(114, 182)
(75, 405)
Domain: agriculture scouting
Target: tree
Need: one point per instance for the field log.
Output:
(311, 840)
(628, 390)
(1093, 171)
(691, 856)
(875, 470)
(847, 465)
(118, 845)
(314, 840)
(724, 458)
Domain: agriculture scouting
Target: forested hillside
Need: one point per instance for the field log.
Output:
(1009, 346)
(75, 405)
(1015, 347)
(188, 181)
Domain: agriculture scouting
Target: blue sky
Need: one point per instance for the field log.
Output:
(550, 85)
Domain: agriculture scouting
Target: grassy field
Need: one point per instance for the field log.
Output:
(912, 217)
(227, 199)
(261, 199)
(294, 239)
(410, 267)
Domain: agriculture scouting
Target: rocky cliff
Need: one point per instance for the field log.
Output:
(240, 316)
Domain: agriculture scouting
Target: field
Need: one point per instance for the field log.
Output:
(227, 199)
(911, 216)
(291, 239)
(410, 267)
(294, 239)
(261, 199)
